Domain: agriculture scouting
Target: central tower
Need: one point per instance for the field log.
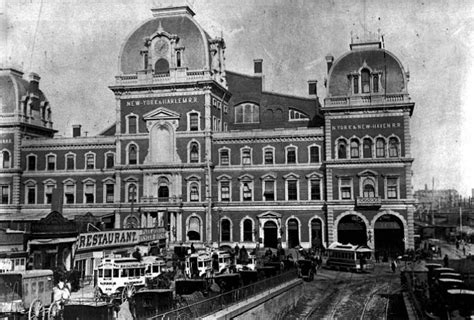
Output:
(171, 95)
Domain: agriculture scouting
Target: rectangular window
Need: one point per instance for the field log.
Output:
(51, 162)
(132, 124)
(30, 195)
(225, 191)
(268, 156)
(90, 161)
(346, 189)
(193, 122)
(69, 193)
(392, 188)
(246, 158)
(247, 191)
(31, 163)
(291, 156)
(70, 162)
(269, 191)
(48, 193)
(292, 186)
(89, 193)
(109, 162)
(109, 193)
(224, 157)
(314, 154)
(5, 194)
(315, 185)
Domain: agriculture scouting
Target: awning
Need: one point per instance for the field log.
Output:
(52, 241)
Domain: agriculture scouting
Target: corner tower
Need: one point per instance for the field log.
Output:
(171, 96)
(368, 150)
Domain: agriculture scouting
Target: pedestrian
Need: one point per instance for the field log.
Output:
(393, 265)
(446, 261)
(193, 250)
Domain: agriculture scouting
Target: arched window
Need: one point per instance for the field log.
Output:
(194, 192)
(132, 154)
(224, 159)
(162, 66)
(246, 156)
(365, 80)
(380, 147)
(70, 161)
(368, 188)
(354, 148)
(314, 154)
(194, 229)
(341, 149)
(163, 190)
(132, 124)
(355, 82)
(393, 147)
(178, 59)
(5, 161)
(90, 161)
(376, 83)
(248, 232)
(247, 113)
(193, 121)
(31, 160)
(225, 230)
(367, 148)
(194, 152)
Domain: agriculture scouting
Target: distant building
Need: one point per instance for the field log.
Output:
(214, 157)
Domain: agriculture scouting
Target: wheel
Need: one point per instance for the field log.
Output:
(53, 312)
(97, 294)
(128, 292)
(36, 310)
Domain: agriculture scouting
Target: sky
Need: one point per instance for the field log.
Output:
(74, 46)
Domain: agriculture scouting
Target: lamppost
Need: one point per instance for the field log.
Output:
(132, 190)
(219, 215)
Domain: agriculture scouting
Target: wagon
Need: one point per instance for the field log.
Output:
(306, 269)
(27, 293)
(147, 303)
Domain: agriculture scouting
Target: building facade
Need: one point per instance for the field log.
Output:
(213, 157)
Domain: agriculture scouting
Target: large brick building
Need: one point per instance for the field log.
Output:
(211, 154)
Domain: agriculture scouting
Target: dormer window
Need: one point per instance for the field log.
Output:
(247, 113)
(365, 80)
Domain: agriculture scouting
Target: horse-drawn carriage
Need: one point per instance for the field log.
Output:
(28, 293)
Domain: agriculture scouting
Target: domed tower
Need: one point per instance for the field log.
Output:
(171, 95)
(368, 155)
(24, 114)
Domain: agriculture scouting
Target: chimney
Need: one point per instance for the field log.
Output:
(76, 130)
(34, 81)
(257, 66)
(57, 200)
(329, 61)
(313, 87)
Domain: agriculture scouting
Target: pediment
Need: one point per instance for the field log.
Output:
(269, 215)
(161, 114)
(54, 218)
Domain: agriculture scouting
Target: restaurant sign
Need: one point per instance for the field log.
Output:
(117, 238)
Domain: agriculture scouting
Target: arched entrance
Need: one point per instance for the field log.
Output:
(270, 234)
(352, 229)
(293, 233)
(388, 236)
(316, 234)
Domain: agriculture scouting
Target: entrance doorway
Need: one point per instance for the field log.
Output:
(351, 229)
(293, 233)
(389, 235)
(270, 234)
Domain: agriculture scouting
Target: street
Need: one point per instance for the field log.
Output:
(346, 295)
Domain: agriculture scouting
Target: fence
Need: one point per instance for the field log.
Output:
(221, 301)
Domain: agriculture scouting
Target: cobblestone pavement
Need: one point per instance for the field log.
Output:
(346, 295)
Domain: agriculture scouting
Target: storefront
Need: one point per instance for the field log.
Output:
(50, 243)
(91, 247)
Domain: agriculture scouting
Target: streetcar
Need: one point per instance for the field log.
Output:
(154, 266)
(251, 264)
(26, 293)
(119, 276)
(221, 261)
(198, 264)
(349, 257)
